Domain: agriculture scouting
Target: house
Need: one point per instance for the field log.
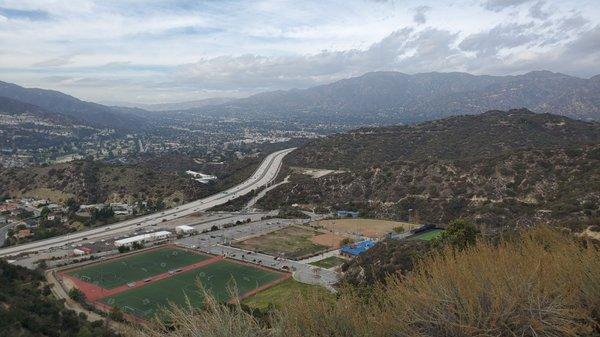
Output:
(56, 216)
(24, 233)
(122, 209)
(82, 251)
(8, 207)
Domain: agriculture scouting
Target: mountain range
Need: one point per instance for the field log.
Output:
(393, 97)
(376, 98)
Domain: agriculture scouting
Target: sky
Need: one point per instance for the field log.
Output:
(159, 51)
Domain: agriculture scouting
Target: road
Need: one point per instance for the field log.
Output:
(264, 174)
(3, 231)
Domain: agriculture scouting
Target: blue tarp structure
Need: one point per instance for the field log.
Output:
(357, 248)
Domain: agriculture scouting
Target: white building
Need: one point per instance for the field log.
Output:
(128, 242)
(184, 229)
(201, 177)
(82, 251)
(122, 209)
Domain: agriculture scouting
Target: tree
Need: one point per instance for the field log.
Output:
(123, 249)
(72, 205)
(116, 315)
(76, 295)
(460, 234)
(44, 213)
(85, 332)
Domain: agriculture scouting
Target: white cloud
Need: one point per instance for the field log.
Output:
(498, 5)
(420, 14)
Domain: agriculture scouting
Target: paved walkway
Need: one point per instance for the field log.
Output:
(335, 252)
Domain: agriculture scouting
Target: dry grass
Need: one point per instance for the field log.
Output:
(328, 239)
(543, 283)
(293, 241)
(367, 227)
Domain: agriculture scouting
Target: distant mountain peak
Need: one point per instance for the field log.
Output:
(69, 107)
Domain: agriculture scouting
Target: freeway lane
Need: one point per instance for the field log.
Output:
(264, 174)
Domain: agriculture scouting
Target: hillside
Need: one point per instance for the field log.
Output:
(14, 107)
(460, 137)
(155, 179)
(497, 169)
(392, 97)
(65, 106)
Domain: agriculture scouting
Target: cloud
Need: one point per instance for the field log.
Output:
(499, 5)
(420, 12)
(501, 36)
(404, 49)
(587, 45)
(33, 15)
(537, 12)
(573, 22)
(54, 62)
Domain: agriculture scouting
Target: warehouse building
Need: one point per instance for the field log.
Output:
(128, 242)
(185, 229)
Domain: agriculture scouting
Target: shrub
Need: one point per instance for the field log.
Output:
(398, 229)
(76, 294)
(346, 241)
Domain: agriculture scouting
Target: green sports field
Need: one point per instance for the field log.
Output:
(429, 235)
(283, 292)
(330, 262)
(112, 274)
(217, 278)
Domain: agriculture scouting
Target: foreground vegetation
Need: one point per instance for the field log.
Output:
(537, 283)
(27, 308)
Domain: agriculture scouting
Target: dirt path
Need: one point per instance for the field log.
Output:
(60, 293)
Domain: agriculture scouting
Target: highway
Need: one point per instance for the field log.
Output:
(264, 174)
